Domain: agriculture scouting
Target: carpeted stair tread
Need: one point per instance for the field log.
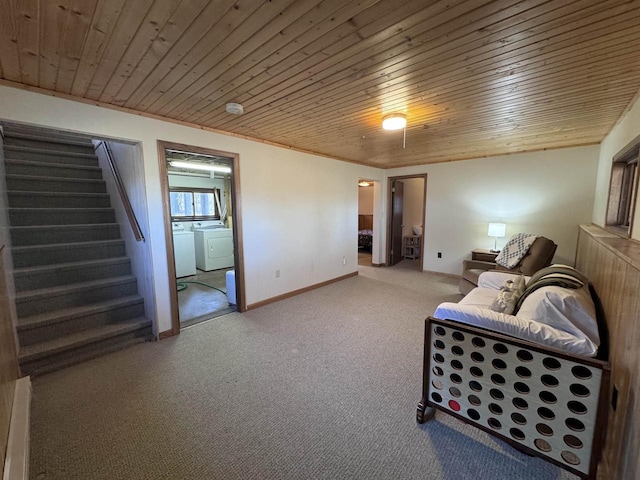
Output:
(45, 151)
(69, 359)
(79, 339)
(62, 166)
(58, 316)
(65, 227)
(76, 142)
(60, 209)
(58, 194)
(40, 178)
(35, 248)
(42, 269)
(43, 293)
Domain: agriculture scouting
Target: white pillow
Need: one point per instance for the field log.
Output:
(569, 310)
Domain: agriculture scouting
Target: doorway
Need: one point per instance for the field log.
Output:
(405, 223)
(202, 227)
(365, 222)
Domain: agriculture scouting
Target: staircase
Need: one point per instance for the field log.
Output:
(75, 295)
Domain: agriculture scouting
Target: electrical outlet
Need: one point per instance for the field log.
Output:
(344, 261)
(277, 273)
(439, 254)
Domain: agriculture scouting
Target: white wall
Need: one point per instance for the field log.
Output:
(365, 200)
(412, 207)
(627, 129)
(548, 193)
(299, 211)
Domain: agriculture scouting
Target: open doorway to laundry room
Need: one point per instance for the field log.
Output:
(406, 221)
(202, 223)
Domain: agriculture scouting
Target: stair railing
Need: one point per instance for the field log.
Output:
(135, 226)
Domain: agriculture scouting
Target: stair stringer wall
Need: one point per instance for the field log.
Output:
(129, 163)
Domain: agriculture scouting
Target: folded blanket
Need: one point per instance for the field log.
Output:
(515, 249)
(555, 275)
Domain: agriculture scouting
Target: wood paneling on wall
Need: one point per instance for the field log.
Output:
(8, 362)
(612, 264)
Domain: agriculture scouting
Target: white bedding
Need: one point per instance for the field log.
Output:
(553, 316)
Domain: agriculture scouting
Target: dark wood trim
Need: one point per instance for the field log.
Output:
(236, 220)
(293, 293)
(378, 264)
(165, 334)
(389, 219)
(126, 203)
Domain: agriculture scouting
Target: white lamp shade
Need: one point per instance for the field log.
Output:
(497, 229)
(394, 121)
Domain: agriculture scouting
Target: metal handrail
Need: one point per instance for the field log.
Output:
(135, 226)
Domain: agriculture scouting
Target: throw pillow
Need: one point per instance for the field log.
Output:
(508, 296)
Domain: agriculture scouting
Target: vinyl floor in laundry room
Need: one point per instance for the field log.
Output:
(199, 302)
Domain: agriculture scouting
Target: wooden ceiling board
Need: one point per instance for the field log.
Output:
(474, 77)
(430, 68)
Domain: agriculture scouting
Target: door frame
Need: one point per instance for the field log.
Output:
(390, 181)
(168, 232)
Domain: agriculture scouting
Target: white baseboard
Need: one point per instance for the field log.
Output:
(16, 463)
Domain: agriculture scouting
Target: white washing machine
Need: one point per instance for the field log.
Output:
(214, 248)
(184, 251)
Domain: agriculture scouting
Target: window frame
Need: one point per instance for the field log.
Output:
(623, 190)
(194, 218)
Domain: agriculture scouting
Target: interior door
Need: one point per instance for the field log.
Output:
(397, 199)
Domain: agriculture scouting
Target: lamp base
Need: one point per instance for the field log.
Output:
(494, 251)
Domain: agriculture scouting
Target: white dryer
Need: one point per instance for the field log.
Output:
(183, 251)
(214, 248)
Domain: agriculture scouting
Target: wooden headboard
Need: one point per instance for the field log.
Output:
(365, 222)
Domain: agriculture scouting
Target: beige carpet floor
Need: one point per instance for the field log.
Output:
(323, 385)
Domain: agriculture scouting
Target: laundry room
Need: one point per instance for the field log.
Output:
(202, 227)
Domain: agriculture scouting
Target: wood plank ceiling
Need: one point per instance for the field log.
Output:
(474, 77)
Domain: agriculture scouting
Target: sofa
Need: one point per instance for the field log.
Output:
(563, 318)
(515, 359)
(539, 255)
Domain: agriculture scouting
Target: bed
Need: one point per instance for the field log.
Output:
(534, 393)
(365, 232)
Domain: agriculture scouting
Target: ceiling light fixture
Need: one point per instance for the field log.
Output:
(234, 108)
(200, 166)
(394, 121)
(363, 183)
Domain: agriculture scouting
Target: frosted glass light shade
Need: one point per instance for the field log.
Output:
(497, 229)
(394, 121)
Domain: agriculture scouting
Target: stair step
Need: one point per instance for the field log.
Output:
(58, 200)
(33, 278)
(60, 216)
(40, 328)
(15, 152)
(54, 184)
(64, 351)
(47, 142)
(34, 302)
(35, 255)
(44, 169)
(16, 128)
(52, 234)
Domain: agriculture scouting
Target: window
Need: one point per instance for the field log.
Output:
(623, 189)
(194, 204)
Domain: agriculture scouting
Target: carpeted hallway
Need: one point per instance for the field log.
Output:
(320, 386)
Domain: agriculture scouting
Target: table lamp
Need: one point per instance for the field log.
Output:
(496, 230)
